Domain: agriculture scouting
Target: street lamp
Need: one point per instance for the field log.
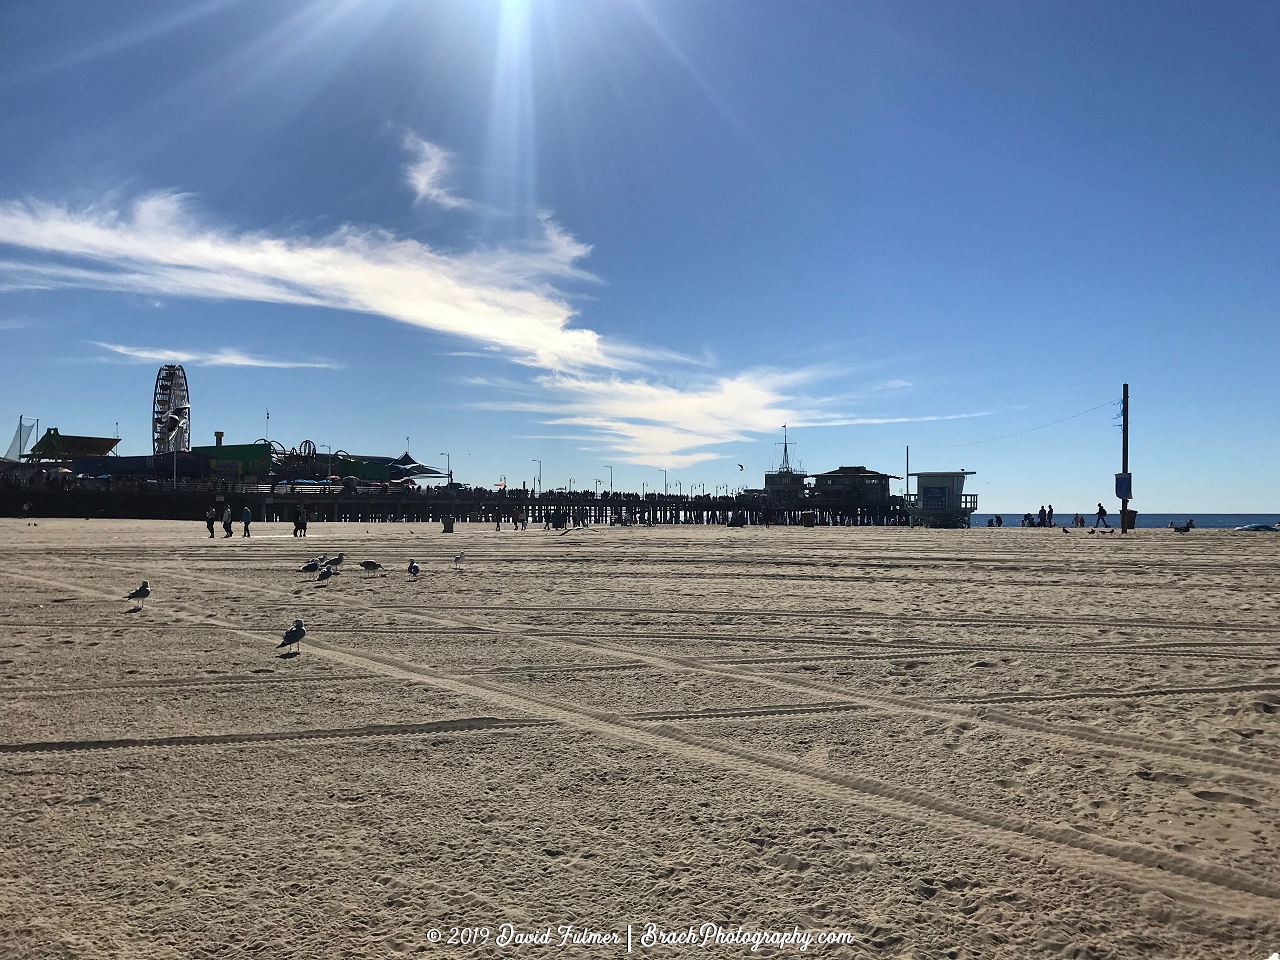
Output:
(643, 487)
(597, 488)
(448, 462)
(571, 484)
(610, 479)
(539, 463)
(665, 490)
(679, 488)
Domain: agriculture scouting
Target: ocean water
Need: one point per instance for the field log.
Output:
(1207, 521)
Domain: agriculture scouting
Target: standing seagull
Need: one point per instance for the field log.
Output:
(324, 574)
(413, 569)
(459, 558)
(336, 560)
(293, 636)
(140, 594)
(311, 566)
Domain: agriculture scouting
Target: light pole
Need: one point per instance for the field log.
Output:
(665, 489)
(679, 488)
(643, 487)
(597, 488)
(539, 463)
(448, 463)
(329, 452)
(571, 484)
(610, 479)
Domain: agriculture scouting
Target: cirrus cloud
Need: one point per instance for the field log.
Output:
(503, 301)
(226, 357)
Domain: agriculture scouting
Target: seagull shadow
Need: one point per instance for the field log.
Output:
(134, 610)
(288, 655)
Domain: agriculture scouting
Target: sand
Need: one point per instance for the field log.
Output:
(982, 743)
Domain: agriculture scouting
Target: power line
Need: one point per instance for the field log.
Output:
(972, 443)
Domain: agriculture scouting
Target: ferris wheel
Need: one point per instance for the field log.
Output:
(171, 411)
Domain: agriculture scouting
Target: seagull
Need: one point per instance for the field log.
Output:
(293, 636)
(311, 566)
(140, 594)
(458, 559)
(740, 467)
(324, 574)
(336, 560)
(370, 565)
(413, 569)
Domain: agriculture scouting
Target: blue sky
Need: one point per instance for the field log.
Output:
(647, 234)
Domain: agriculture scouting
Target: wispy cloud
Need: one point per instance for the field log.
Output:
(653, 423)
(425, 172)
(497, 297)
(502, 301)
(226, 357)
(10, 323)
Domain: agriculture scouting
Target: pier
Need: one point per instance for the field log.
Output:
(161, 500)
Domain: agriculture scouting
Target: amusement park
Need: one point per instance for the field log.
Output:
(64, 474)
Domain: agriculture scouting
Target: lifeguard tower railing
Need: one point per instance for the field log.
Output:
(968, 503)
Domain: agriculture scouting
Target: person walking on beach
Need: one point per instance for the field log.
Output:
(226, 522)
(1041, 523)
(1102, 518)
(246, 518)
(1051, 514)
(210, 518)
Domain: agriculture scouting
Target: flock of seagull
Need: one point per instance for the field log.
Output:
(323, 567)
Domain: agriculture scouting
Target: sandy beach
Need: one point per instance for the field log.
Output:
(975, 743)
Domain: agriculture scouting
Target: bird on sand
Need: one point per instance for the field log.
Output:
(413, 569)
(459, 558)
(324, 574)
(293, 636)
(370, 565)
(311, 566)
(140, 594)
(334, 561)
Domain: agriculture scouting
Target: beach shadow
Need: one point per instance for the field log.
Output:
(134, 610)
(288, 655)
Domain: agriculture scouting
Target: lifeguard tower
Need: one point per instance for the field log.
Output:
(940, 500)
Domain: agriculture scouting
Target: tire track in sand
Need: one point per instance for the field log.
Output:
(462, 725)
(1216, 888)
(1062, 733)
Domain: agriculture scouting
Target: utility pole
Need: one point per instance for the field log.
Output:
(610, 479)
(1124, 480)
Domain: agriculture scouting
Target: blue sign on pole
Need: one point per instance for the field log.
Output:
(1124, 486)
